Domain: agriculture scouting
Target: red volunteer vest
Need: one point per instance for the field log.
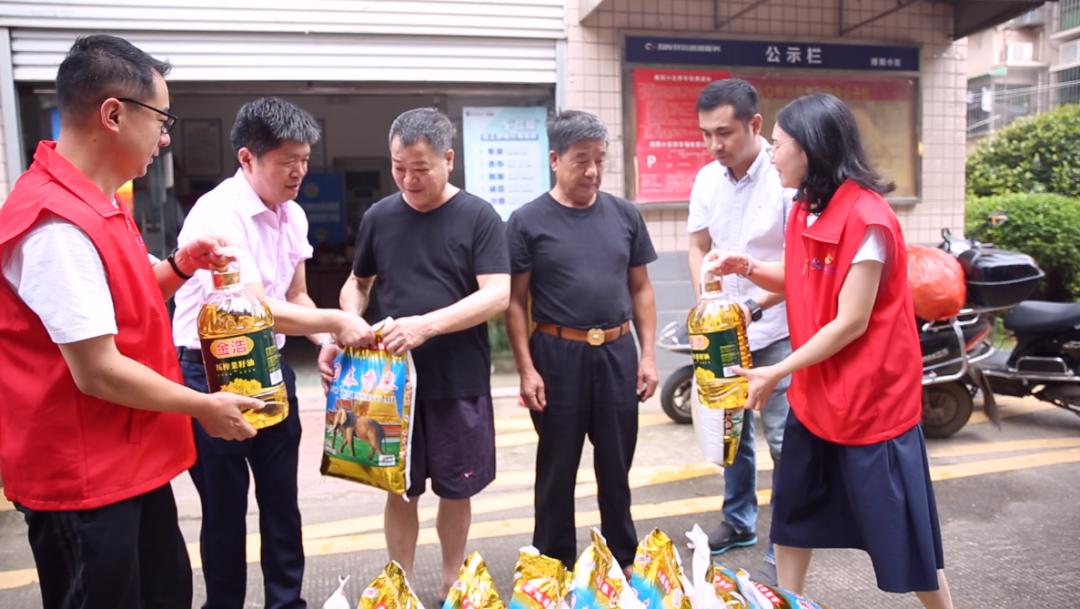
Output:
(871, 390)
(61, 449)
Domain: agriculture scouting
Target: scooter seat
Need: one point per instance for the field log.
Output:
(1040, 317)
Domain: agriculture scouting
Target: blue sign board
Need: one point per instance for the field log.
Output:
(771, 54)
(322, 195)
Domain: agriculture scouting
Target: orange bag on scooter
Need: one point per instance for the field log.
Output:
(937, 282)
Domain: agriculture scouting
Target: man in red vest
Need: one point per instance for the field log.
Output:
(95, 421)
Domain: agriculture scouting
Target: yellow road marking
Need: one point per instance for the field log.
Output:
(1005, 464)
(977, 448)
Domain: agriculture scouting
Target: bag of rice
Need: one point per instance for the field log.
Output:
(369, 415)
(389, 590)
(658, 576)
(474, 588)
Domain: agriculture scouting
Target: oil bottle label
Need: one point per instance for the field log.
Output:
(717, 352)
(248, 364)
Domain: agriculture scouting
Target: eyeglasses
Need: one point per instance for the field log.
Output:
(776, 144)
(170, 118)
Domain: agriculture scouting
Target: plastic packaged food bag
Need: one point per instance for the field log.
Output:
(540, 582)
(936, 279)
(369, 416)
(763, 596)
(658, 576)
(599, 582)
(389, 590)
(474, 588)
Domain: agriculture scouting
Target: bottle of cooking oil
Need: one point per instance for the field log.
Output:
(718, 342)
(238, 348)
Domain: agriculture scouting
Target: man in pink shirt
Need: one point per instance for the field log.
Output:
(256, 210)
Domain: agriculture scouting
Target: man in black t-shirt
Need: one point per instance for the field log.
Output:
(435, 258)
(581, 255)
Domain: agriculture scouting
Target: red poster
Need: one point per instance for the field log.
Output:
(669, 149)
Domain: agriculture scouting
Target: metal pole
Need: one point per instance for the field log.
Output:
(9, 105)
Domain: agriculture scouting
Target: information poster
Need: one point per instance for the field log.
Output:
(506, 155)
(669, 149)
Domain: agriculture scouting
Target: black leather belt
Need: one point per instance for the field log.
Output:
(189, 355)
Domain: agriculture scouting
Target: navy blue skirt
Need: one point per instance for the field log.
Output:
(876, 498)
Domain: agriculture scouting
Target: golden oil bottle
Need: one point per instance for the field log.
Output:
(718, 341)
(238, 348)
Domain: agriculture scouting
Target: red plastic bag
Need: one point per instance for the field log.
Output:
(937, 282)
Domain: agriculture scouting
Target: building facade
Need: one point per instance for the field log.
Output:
(498, 68)
(1027, 65)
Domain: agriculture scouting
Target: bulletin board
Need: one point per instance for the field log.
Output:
(879, 83)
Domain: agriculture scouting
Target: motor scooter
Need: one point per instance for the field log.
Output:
(1045, 362)
(675, 392)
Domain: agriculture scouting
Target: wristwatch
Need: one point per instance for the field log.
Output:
(754, 307)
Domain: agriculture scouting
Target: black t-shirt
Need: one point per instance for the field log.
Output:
(579, 258)
(425, 261)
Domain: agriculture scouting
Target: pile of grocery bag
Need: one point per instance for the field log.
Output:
(657, 581)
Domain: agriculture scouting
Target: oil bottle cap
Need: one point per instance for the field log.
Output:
(225, 278)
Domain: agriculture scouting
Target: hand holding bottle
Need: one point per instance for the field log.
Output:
(718, 263)
(223, 415)
(206, 252)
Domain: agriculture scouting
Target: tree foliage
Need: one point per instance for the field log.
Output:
(1043, 226)
(1038, 154)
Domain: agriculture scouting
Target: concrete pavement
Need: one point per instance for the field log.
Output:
(1009, 514)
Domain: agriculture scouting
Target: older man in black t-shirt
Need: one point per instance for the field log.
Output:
(436, 258)
(581, 254)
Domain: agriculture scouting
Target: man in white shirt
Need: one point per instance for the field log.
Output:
(256, 210)
(738, 204)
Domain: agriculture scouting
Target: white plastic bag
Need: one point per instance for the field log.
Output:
(708, 428)
(702, 594)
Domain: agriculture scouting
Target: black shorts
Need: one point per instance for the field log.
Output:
(453, 443)
(876, 498)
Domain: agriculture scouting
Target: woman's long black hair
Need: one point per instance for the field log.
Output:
(826, 131)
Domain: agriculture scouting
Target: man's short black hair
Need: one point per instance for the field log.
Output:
(264, 124)
(572, 126)
(734, 92)
(427, 124)
(101, 66)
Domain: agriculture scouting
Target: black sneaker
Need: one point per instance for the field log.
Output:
(725, 537)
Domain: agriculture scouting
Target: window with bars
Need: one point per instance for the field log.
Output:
(1068, 86)
(1069, 14)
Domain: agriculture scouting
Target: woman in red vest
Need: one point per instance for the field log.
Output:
(854, 472)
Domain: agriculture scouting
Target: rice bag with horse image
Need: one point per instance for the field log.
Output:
(369, 413)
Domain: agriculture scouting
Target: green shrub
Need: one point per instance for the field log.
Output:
(1043, 226)
(1038, 154)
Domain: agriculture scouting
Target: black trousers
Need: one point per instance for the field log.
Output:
(128, 555)
(221, 477)
(591, 392)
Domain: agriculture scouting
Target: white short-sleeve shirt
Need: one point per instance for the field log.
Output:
(748, 215)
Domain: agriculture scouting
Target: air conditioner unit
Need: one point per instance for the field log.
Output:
(1069, 52)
